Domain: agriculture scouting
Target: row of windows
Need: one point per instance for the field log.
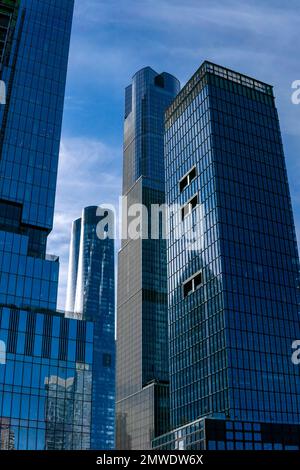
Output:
(240, 445)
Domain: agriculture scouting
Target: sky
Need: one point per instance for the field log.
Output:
(112, 39)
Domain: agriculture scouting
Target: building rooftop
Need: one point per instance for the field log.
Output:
(223, 72)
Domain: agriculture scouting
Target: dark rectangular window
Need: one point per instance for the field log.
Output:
(192, 284)
(187, 179)
(10, 216)
(189, 207)
(80, 341)
(198, 280)
(47, 336)
(30, 334)
(183, 183)
(188, 288)
(13, 332)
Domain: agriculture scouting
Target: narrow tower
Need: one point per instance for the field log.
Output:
(91, 297)
(142, 354)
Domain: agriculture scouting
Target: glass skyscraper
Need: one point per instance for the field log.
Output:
(91, 297)
(45, 381)
(142, 353)
(233, 306)
(46, 360)
(34, 54)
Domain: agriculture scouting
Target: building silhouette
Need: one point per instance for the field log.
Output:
(233, 304)
(91, 297)
(43, 349)
(142, 355)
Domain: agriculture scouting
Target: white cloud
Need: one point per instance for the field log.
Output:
(113, 39)
(89, 174)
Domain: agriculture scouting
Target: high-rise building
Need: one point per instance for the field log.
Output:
(34, 50)
(47, 360)
(91, 297)
(73, 266)
(46, 381)
(233, 306)
(142, 354)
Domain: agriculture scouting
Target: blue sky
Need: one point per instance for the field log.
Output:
(112, 39)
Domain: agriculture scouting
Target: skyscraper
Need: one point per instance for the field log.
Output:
(73, 266)
(142, 355)
(45, 373)
(233, 306)
(91, 297)
(46, 381)
(34, 50)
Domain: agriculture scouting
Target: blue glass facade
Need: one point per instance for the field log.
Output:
(46, 366)
(220, 434)
(142, 353)
(91, 297)
(34, 60)
(233, 306)
(45, 381)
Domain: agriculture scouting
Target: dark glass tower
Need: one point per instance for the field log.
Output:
(46, 371)
(91, 297)
(233, 306)
(34, 49)
(142, 355)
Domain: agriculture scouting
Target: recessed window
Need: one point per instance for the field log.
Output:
(198, 280)
(187, 179)
(189, 207)
(192, 284)
(188, 288)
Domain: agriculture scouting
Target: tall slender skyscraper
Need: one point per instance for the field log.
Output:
(46, 368)
(33, 32)
(233, 306)
(142, 355)
(73, 266)
(91, 297)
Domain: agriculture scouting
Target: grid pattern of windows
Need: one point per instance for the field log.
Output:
(91, 285)
(24, 280)
(142, 349)
(33, 66)
(215, 434)
(45, 385)
(31, 120)
(259, 254)
(46, 374)
(230, 340)
(198, 358)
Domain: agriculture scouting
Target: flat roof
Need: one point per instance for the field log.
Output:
(223, 72)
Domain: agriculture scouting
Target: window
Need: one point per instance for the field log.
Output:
(192, 284)
(189, 207)
(187, 179)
